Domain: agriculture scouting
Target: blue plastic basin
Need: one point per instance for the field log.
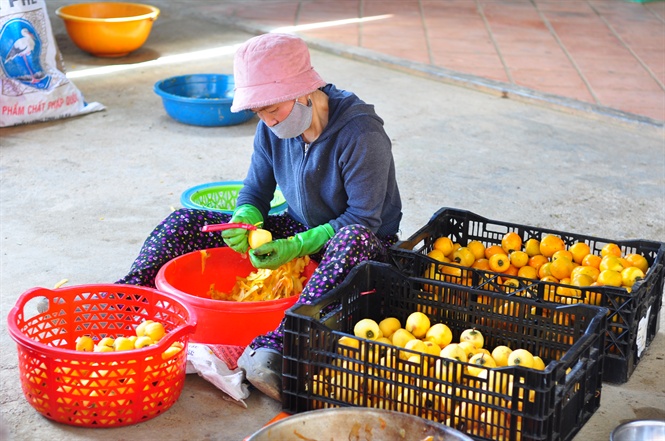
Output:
(201, 100)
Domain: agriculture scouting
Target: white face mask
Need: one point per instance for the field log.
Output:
(296, 122)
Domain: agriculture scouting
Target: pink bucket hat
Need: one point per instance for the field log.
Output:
(271, 69)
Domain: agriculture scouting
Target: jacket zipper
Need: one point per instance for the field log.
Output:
(300, 189)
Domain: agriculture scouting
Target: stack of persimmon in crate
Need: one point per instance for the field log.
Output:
(625, 276)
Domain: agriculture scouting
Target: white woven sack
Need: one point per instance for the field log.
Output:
(34, 85)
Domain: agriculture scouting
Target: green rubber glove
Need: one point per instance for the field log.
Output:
(274, 254)
(236, 238)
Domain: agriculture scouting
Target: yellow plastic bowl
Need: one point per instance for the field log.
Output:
(108, 29)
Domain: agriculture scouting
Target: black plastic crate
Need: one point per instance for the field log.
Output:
(633, 319)
(549, 404)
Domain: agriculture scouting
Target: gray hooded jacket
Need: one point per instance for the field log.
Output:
(346, 176)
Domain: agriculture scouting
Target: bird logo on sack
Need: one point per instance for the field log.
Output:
(20, 48)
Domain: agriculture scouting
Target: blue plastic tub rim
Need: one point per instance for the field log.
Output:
(176, 80)
(202, 100)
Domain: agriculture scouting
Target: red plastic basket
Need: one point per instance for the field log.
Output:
(92, 389)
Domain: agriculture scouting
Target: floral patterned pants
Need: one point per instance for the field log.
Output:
(180, 233)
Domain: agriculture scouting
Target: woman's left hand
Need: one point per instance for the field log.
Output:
(274, 254)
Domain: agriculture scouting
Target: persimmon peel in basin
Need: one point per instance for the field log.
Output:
(265, 284)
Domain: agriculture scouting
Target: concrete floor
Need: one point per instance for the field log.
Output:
(597, 53)
(78, 196)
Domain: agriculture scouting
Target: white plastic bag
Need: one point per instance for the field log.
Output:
(34, 85)
(212, 363)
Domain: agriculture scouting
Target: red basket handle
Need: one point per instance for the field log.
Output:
(22, 339)
(19, 308)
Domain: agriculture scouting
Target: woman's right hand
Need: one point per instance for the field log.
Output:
(236, 238)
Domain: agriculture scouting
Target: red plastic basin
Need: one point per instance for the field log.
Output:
(221, 322)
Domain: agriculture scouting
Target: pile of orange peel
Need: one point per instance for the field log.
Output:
(265, 284)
